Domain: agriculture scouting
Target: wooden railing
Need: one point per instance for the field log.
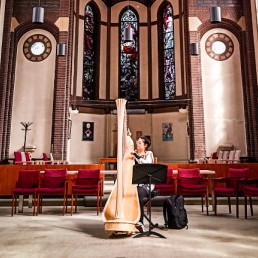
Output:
(9, 174)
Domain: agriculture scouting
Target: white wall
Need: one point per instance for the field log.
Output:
(33, 99)
(2, 12)
(87, 151)
(105, 136)
(222, 99)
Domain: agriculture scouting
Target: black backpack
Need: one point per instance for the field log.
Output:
(174, 213)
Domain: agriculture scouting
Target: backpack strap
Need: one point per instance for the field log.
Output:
(165, 213)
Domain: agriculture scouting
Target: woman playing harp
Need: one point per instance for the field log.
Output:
(122, 210)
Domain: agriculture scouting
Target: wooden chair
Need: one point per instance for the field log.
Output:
(231, 187)
(54, 182)
(27, 184)
(46, 159)
(87, 183)
(168, 188)
(250, 190)
(190, 183)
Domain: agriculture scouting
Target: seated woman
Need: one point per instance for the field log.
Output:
(143, 156)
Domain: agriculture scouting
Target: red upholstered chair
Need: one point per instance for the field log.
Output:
(87, 183)
(46, 158)
(169, 187)
(17, 158)
(54, 182)
(250, 190)
(231, 187)
(191, 183)
(214, 155)
(27, 184)
(28, 158)
(22, 158)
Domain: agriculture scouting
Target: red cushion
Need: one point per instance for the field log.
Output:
(223, 191)
(251, 191)
(24, 191)
(44, 190)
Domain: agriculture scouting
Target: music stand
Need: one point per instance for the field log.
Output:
(149, 174)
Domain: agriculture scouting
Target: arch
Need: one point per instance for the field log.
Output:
(227, 24)
(58, 132)
(167, 78)
(129, 56)
(90, 83)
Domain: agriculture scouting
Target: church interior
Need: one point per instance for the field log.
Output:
(188, 73)
(180, 69)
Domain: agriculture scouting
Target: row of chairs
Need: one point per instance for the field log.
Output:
(190, 183)
(24, 158)
(236, 185)
(89, 182)
(229, 157)
(54, 182)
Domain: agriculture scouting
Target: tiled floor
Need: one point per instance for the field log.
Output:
(82, 235)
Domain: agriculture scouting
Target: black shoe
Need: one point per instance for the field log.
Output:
(140, 227)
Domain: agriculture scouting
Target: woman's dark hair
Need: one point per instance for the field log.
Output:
(146, 140)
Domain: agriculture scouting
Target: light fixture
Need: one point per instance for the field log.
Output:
(128, 31)
(137, 111)
(73, 111)
(128, 34)
(38, 14)
(194, 49)
(215, 14)
(60, 49)
(182, 110)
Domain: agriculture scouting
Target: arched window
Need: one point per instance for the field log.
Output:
(89, 54)
(128, 82)
(168, 52)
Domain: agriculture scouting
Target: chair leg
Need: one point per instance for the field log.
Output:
(237, 210)
(36, 206)
(34, 203)
(13, 204)
(215, 204)
(72, 204)
(251, 206)
(245, 207)
(64, 203)
(76, 203)
(98, 200)
(100, 203)
(229, 205)
(66, 208)
(207, 204)
(39, 203)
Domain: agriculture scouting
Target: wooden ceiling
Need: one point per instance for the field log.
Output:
(113, 2)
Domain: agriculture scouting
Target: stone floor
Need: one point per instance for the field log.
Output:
(82, 235)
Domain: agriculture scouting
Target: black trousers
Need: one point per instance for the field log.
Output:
(142, 194)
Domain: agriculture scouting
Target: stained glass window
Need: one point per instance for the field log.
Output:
(89, 54)
(128, 82)
(168, 52)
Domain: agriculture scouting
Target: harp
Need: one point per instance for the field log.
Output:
(122, 209)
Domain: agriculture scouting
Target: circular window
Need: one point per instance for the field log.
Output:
(37, 48)
(219, 46)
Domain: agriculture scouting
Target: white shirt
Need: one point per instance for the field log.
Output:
(147, 158)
